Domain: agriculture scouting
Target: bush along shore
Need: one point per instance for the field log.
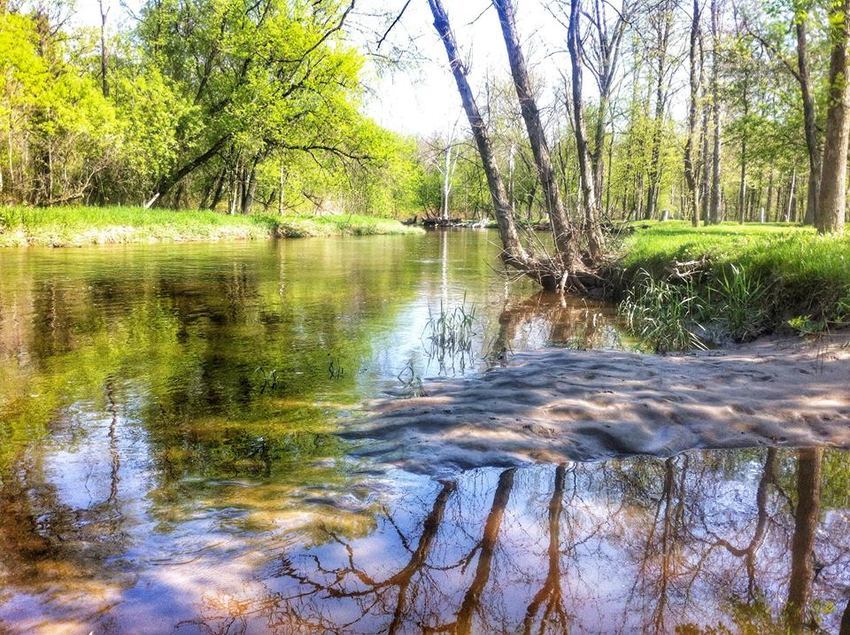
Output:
(681, 287)
(79, 226)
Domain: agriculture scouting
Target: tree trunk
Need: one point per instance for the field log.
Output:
(792, 196)
(169, 181)
(565, 237)
(714, 211)
(769, 205)
(249, 186)
(690, 149)
(663, 31)
(809, 121)
(447, 182)
(705, 185)
(104, 53)
(833, 188)
(742, 186)
(281, 188)
(587, 180)
(806, 517)
(608, 42)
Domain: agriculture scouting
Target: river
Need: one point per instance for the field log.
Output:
(170, 459)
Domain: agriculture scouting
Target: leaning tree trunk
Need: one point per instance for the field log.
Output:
(565, 236)
(513, 252)
(833, 190)
(588, 182)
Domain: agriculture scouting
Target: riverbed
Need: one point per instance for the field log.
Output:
(193, 439)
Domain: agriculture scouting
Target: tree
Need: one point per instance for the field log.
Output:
(661, 22)
(714, 208)
(588, 179)
(513, 253)
(809, 116)
(565, 267)
(565, 234)
(833, 191)
(690, 147)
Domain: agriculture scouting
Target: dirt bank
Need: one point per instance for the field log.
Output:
(559, 404)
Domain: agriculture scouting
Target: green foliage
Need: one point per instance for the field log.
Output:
(207, 103)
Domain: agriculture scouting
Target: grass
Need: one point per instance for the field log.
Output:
(78, 226)
(682, 287)
(448, 337)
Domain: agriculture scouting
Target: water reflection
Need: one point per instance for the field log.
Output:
(162, 405)
(169, 459)
(738, 541)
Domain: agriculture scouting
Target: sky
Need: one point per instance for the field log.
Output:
(420, 98)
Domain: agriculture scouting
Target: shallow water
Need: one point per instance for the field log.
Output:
(169, 459)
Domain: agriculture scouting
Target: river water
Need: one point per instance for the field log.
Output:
(169, 460)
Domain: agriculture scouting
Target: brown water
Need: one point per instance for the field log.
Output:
(169, 460)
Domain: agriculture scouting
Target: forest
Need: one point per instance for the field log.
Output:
(704, 111)
(227, 106)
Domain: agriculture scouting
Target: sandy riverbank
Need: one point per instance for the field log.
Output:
(560, 404)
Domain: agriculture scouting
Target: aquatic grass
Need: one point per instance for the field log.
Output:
(746, 280)
(447, 336)
(410, 381)
(76, 226)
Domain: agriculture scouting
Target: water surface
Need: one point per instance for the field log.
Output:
(168, 459)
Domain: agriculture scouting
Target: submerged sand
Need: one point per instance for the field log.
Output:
(557, 404)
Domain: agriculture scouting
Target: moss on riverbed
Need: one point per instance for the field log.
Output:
(78, 226)
(682, 286)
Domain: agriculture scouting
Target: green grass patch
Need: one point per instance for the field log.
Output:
(731, 281)
(78, 226)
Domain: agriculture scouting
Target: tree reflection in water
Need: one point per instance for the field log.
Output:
(741, 541)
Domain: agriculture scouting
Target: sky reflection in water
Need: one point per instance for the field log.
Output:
(168, 460)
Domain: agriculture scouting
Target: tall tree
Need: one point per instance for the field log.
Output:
(587, 180)
(833, 193)
(716, 185)
(803, 77)
(104, 53)
(690, 146)
(606, 39)
(662, 25)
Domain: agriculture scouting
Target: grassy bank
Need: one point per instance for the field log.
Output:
(77, 226)
(682, 287)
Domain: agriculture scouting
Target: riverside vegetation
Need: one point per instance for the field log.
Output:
(683, 287)
(77, 226)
